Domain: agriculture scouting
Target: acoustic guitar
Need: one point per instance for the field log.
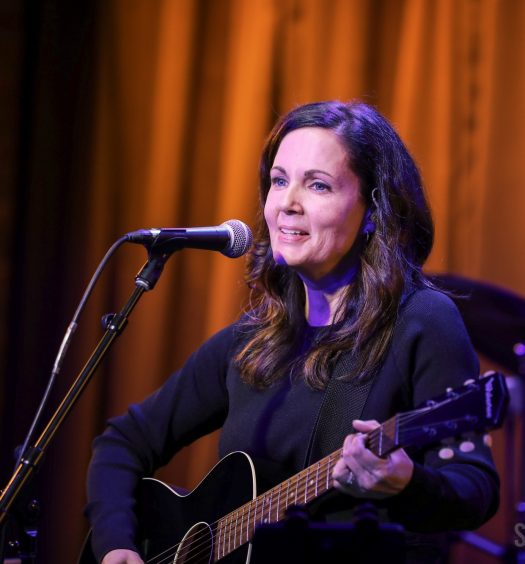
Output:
(216, 521)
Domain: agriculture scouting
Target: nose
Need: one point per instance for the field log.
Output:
(291, 201)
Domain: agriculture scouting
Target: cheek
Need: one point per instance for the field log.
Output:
(341, 231)
(332, 225)
(269, 211)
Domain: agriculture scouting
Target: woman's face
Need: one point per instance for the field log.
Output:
(314, 208)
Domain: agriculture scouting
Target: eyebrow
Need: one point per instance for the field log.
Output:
(307, 173)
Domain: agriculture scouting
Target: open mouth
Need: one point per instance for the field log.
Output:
(286, 231)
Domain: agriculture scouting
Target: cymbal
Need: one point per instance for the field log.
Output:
(494, 317)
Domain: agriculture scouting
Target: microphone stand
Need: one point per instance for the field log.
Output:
(115, 324)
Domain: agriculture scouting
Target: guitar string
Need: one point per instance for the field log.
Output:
(260, 509)
(449, 423)
(235, 532)
(238, 530)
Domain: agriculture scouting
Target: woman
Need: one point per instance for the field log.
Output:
(343, 330)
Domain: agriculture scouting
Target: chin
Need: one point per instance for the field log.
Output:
(283, 260)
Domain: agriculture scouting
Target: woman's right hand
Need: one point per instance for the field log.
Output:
(122, 556)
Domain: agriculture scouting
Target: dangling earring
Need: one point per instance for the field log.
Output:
(369, 225)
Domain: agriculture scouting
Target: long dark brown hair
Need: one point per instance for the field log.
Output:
(390, 261)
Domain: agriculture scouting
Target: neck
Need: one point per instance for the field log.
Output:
(321, 306)
(323, 298)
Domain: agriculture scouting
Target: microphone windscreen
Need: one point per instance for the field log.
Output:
(241, 239)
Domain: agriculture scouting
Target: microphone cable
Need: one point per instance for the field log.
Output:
(66, 341)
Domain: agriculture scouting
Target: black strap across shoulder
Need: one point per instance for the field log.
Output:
(343, 402)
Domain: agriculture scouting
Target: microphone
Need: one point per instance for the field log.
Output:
(232, 238)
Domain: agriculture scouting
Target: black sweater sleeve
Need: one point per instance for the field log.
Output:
(191, 403)
(444, 494)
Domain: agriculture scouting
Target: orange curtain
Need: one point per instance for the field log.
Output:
(185, 93)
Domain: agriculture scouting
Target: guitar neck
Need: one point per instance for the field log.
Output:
(237, 528)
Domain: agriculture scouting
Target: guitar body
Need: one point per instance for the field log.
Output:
(181, 527)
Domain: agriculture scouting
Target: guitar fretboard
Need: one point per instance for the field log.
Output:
(237, 528)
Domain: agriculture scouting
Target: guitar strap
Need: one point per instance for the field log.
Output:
(342, 403)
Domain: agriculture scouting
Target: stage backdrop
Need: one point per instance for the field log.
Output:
(124, 114)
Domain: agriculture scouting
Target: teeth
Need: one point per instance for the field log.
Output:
(292, 232)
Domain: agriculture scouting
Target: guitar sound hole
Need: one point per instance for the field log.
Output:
(196, 547)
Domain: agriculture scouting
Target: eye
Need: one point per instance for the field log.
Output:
(278, 181)
(320, 186)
